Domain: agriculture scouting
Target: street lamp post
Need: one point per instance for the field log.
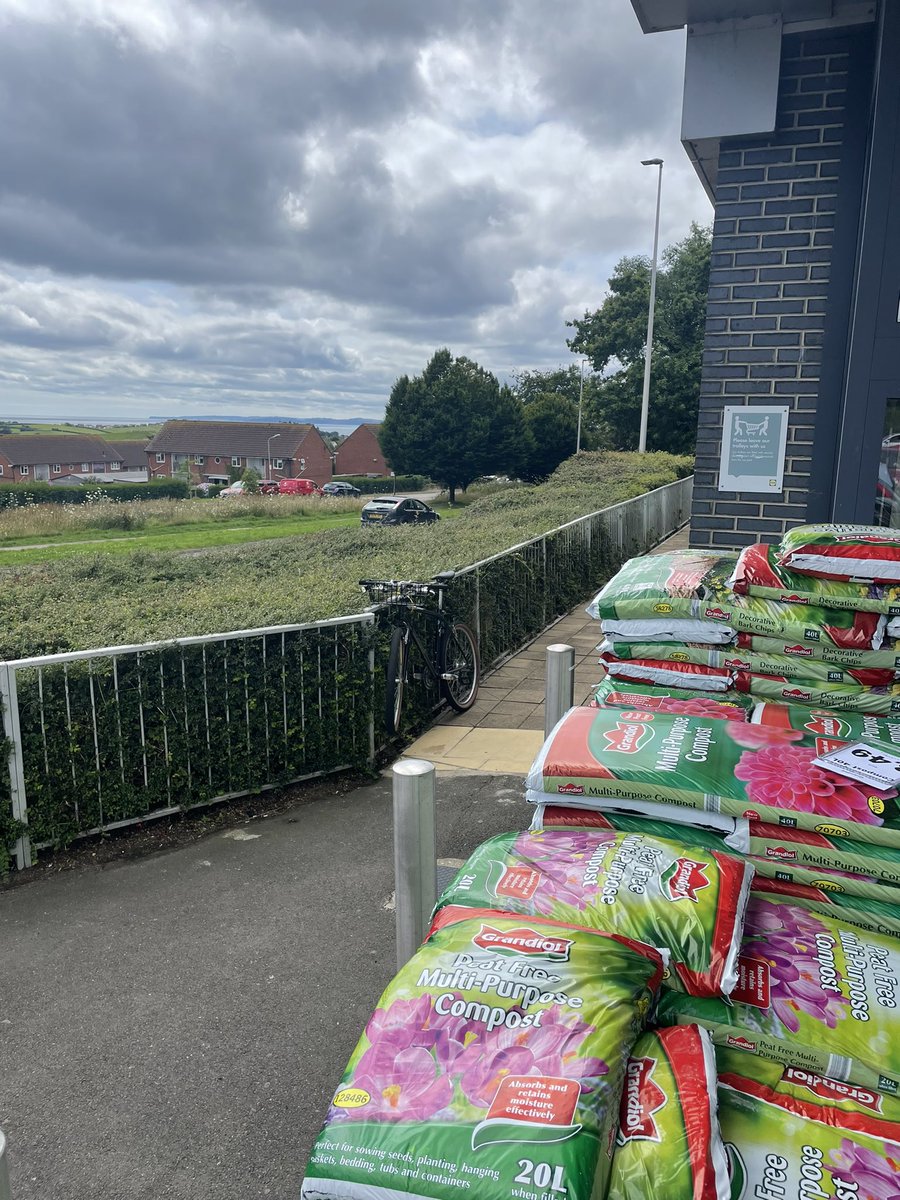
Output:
(580, 403)
(645, 401)
(269, 442)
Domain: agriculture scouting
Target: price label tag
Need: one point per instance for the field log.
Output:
(876, 765)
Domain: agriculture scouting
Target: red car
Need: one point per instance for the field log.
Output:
(298, 487)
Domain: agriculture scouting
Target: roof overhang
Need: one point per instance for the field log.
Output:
(658, 15)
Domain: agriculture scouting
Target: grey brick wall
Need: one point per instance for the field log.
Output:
(769, 286)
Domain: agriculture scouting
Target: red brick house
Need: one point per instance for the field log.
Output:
(212, 449)
(60, 457)
(360, 453)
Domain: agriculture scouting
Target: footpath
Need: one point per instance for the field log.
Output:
(173, 1027)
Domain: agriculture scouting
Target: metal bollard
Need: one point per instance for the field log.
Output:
(560, 689)
(415, 880)
(5, 1193)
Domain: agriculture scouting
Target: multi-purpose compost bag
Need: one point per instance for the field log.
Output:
(818, 693)
(710, 830)
(814, 992)
(668, 1142)
(492, 1066)
(874, 916)
(823, 649)
(847, 552)
(727, 706)
(686, 900)
(697, 762)
(788, 1142)
(826, 729)
(862, 862)
(759, 573)
(681, 656)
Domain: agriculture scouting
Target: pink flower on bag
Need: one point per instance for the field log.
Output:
(784, 777)
(410, 1087)
(758, 736)
(876, 1176)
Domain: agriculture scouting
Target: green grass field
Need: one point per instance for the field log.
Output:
(113, 433)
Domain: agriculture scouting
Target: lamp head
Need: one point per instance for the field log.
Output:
(651, 162)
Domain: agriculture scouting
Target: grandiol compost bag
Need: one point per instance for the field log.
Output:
(815, 992)
(759, 573)
(493, 1066)
(711, 830)
(863, 864)
(784, 1142)
(667, 673)
(874, 916)
(683, 655)
(826, 729)
(823, 649)
(817, 693)
(668, 1142)
(686, 900)
(849, 552)
(695, 762)
(727, 706)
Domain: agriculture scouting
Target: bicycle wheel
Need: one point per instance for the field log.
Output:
(396, 678)
(460, 672)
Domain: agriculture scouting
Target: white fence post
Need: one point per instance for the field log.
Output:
(5, 1193)
(415, 867)
(10, 700)
(560, 690)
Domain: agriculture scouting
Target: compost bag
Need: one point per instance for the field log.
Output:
(493, 1063)
(705, 764)
(814, 992)
(847, 552)
(818, 693)
(664, 672)
(685, 899)
(875, 916)
(727, 706)
(668, 1142)
(826, 729)
(823, 649)
(759, 573)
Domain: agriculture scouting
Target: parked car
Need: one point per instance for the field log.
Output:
(397, 510)
(235, 489)
(298, 487)
(337, 488)
(268, 487)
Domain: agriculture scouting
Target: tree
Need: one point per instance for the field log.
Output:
(453, 423)
(614, 337)
(569, 383)
(552, 421)
(250, 480)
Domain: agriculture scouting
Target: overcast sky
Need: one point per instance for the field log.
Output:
(260, 207)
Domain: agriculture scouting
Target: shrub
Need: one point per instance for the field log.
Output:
(13, 495)
(376, 487)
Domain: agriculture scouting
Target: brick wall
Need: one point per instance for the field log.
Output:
(360, 454)
(776, 200)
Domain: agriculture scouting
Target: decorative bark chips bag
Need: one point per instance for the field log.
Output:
(492, 1067)
(759, 573)
(849, 552)
(686, 900)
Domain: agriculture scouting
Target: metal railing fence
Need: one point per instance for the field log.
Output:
(99, 739)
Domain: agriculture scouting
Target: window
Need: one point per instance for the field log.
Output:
(24, 470)
(56, 468)
(160, 458)
(277, 464)
(112, 467)
(1, 468)
(236, 460)
(887, 510)
(198, 460)
(85, 466)
(218, 460)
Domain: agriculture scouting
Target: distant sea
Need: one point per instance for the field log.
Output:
(68, 419)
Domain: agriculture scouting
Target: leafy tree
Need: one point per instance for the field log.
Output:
(552, 421)
(530, 386)
(183, 471)
(250, 480)
(614, 336)
(454, 423)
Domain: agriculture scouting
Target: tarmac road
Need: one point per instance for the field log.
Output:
(173, 1027)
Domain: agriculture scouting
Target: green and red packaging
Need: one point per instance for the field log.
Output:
(685, 899)
(844, 697)
(708, 765)
(874, 916)
(668, 1143)
(825, 728)
(815, 992)
(492, 1066)
(759, 573)
(847, 552)
(858, 868)
(727, 706)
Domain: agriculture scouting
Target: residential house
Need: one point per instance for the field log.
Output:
(59, 458)
(214, 450)
(360, 453)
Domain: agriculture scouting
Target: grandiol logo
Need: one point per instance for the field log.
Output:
(641, 1099)
(781, 853)
(718, 614)
(523, 940)
(799, 651)
(740, 1043)
(833, 1089)
(795, 694)
(570, 789)
(628, 736)
(738, 664)
(684, 879)
(824, 725)
(793, 599)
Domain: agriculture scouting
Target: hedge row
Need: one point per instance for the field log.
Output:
(370, 486)
(14, 494)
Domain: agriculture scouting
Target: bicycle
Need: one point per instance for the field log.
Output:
(450, 657)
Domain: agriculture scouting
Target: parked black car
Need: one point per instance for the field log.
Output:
(397, 510)
(337, 488)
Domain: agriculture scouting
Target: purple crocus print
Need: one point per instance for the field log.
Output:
(410, 1088)
(876, 1176)
(560, 858)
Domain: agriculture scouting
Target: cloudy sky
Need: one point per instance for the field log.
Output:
(260, 207)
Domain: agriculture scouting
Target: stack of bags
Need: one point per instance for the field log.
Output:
(811, 621)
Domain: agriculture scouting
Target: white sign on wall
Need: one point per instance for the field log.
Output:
(753, 445)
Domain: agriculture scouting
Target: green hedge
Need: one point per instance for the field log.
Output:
(376, 487)
(15, 494)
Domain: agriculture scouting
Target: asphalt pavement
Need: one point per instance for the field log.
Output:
(173, 1027)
